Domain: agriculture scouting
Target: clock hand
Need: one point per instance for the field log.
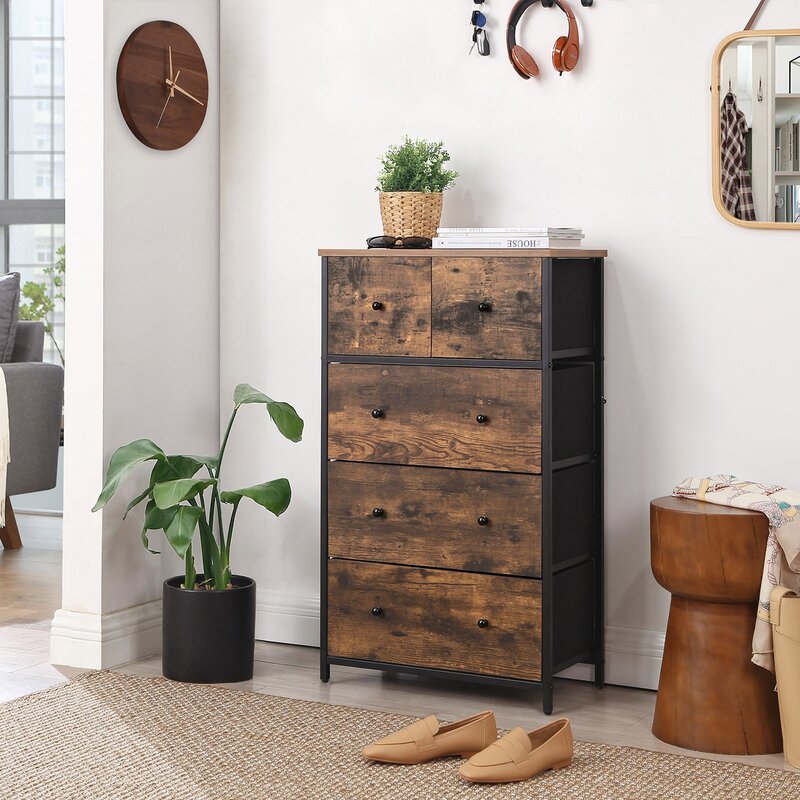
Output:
(174, 85)
(169, 97)
(171, 91)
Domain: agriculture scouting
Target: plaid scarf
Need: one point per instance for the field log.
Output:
(737, 190)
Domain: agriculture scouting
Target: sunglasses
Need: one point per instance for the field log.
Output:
(409, 243)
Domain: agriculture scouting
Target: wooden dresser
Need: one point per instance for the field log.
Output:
(462, 463)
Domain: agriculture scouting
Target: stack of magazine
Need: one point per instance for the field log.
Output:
(507, 238)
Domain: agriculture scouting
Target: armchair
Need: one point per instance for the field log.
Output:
(35, 402)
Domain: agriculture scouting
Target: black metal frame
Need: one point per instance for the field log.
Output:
(550, 359)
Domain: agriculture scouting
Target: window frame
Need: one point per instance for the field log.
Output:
(22, 211)
(28, 211)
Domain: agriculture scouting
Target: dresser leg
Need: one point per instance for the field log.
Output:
(600, 675)
(547, 698)
(324, 671)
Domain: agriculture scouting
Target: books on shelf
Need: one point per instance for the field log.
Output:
(789, 146)
(508, 238)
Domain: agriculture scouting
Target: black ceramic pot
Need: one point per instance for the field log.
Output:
(209, 637)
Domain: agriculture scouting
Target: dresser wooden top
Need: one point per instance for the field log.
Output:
(560, 252)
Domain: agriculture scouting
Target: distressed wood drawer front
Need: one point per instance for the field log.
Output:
(428, 416)
(454, 519)
(379, 306)
(487, 308)
(429, 618)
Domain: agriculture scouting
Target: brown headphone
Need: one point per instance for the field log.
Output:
(566, 50)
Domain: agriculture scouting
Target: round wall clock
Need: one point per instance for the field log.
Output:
(162, 85)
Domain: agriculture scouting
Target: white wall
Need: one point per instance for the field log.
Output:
(142, 321)
(701, 328)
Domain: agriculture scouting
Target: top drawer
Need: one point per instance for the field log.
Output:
(379, 306)
(487, 308)
(446, 307)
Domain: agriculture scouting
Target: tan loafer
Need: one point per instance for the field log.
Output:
(427, 739)
(519, 756)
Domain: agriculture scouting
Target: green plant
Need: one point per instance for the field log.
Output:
(415, 166)
(177, 501)
(40, 303)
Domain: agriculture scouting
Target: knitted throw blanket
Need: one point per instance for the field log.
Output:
(5, 447)
(782, 560)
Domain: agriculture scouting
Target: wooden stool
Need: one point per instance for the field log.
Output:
(711, 697)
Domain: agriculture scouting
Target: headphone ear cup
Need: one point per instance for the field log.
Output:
(524, 61)
(558, 53)
(570, 55)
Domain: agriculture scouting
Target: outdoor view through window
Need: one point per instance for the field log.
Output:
(32, 209)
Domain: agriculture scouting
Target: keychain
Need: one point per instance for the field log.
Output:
(479, 37)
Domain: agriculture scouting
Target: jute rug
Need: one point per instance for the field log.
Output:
(106, 736)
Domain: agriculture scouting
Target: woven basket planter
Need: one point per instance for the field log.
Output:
(411, 213)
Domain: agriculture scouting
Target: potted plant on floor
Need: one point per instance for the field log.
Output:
(411, 186)
(209, 618)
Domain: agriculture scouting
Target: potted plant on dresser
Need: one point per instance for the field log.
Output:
(411, 185)
(209, 617)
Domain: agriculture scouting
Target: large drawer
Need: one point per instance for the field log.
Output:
(487, 308)
(379, 306)
(485, 624)
(447, 518)
(468, 418)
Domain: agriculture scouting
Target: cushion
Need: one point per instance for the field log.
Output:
(9, 314)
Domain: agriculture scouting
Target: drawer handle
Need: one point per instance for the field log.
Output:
(483, 623)
(377, 413)
(377, 306)
(481, 419)
(483, 520)
(378, 512)
(377, 611)
(484, 307)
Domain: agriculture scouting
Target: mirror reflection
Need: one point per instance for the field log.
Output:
(758, 116)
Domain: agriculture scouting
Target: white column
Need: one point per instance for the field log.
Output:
(142, 317)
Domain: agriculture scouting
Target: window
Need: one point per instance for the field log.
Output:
(32, 167)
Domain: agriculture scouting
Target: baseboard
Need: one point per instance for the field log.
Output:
(633, 658)
(287, 618)
(633, 655)
(90, 641)
(95, 641)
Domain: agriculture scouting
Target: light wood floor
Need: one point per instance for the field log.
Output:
(30, 593)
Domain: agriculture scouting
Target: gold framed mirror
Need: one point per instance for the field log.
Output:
(755, 91)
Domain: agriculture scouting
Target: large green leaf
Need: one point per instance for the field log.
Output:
(180, 531)
(156, 519)
(172, 468)
(275, 495)
(283, 415)
(179, 467)
(173, 492)
(123, 462)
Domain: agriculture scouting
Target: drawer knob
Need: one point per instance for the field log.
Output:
(378, 512)
(377, 611)
(377, 305)
(483, 623)
(484, 307)
(377, 413)
(481, 419)
(483, 520)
